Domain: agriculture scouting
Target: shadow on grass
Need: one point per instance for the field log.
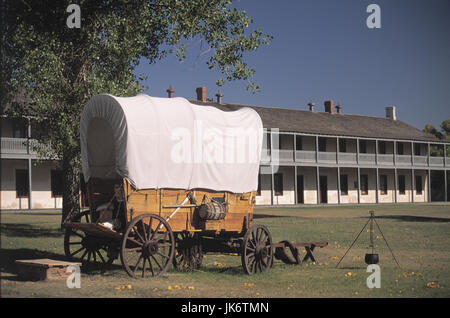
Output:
(9, 256)
(411, 218)
(27, 230)
(264, 216)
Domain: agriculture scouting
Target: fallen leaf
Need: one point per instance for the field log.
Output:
(433, 284)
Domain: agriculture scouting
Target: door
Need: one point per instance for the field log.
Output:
(323, 189)
(300, 189)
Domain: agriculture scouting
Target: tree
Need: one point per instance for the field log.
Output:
(61, 68)
(444, 134)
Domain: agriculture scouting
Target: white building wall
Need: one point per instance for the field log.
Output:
(41, 195)
(309, 183)
(332, 193)
(352, 178)
(288, 196)
(266, 190)
(424, 196)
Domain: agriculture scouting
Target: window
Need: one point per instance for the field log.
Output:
(363, 146)
(342, 145)
(419, 185)
(382, 147)
(56, 183)
(19, 129)
(344, 184)
(364, 184)
(401, 184)
(278, 183)
(298, 143)
(383, 184)
(400, 150)
(322, 144)
(417, 149)
(22, 183)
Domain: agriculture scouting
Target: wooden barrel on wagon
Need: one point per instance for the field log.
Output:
(163, 173)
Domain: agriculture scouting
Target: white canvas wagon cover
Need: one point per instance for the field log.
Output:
(170, 143)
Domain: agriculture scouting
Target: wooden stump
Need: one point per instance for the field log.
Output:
(43, 269)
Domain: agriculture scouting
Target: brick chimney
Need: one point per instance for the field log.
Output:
(339, 109)
(170, 91)
(329, 106)
(391, 113)
(219, 96)
(201, 94)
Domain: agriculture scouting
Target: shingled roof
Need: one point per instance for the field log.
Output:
(323, 123)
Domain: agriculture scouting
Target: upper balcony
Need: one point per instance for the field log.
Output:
(297, 149)
(20, 148)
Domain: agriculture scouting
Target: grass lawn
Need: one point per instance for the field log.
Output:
(419, 236)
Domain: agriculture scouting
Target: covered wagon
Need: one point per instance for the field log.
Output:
(168, 181)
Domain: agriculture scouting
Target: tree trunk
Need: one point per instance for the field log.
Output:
(71, 187)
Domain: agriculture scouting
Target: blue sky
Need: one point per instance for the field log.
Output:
(323, 50)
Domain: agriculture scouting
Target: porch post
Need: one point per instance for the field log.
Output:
(395, 184)
(359, 184)
(318, 184)
(377, 186)
(30, 189)
(429, 184)
(339, 184)
(295, 186)
(445, 185)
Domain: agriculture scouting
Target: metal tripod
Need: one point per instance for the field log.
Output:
(371, 220)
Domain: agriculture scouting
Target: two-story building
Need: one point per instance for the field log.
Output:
(315, 156)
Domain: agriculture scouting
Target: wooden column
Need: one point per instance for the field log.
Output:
(377, 185)
(357, 152)
(318, 184)
(30, 188)
(376, 152)
(317, 149)
(339, 184)
(295, 186)
(413, 185)
(272, 185)
(359, 185)
(395, 185)
(429, 179)
(395, 152)
(445, 185)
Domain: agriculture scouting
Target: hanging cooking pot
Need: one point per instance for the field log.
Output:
(371, 259)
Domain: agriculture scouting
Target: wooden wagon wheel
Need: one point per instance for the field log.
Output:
(256, 250)
(148, 246)
(92, 251)
(189, 253)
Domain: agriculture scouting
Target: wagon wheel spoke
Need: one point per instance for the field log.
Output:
(144, 231)
(136, 230)
(76, 252)
(137, 264)
(133, 256)
(163, 255)
(133, 249)
(101, 257)
(78, 234)
(156, 261)
(84, 254)
(151, 266)
(135, 242)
